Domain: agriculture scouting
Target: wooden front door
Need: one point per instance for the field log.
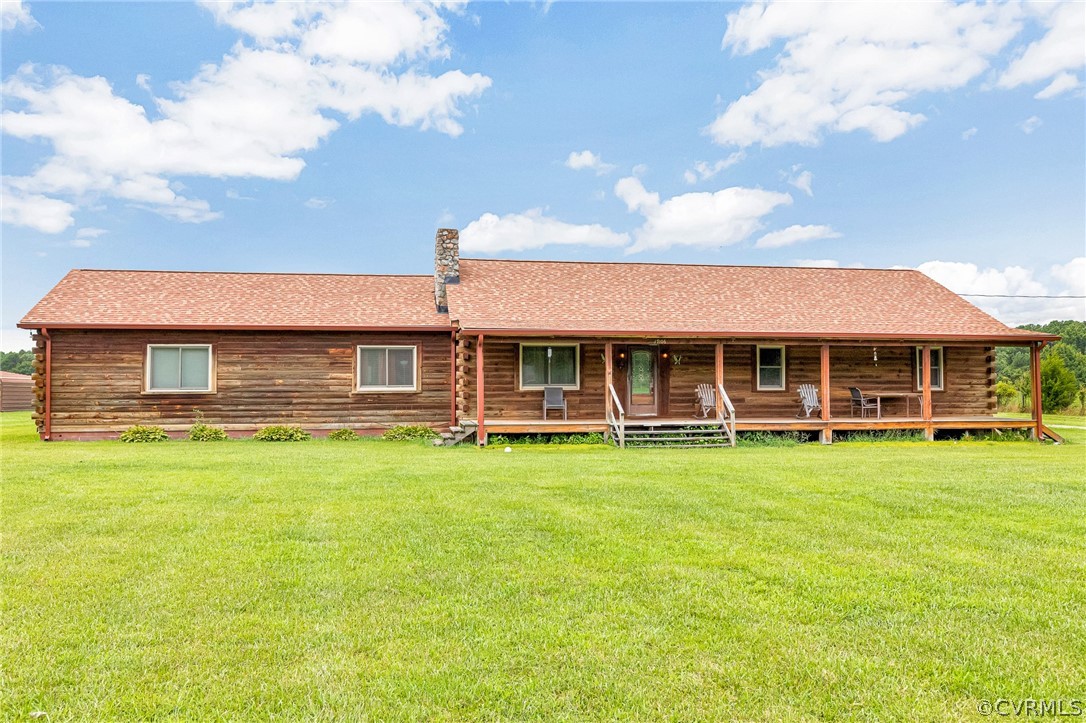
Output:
(643, 381)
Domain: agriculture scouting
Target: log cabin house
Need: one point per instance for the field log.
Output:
(470, 350)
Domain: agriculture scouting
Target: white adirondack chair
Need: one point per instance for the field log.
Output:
(808, 397)
(706, 401)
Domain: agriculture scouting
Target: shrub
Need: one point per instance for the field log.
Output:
(1005, 393)
(886, 435)
(201, 432)
(409, 431)
(571, 438)
(1058, 386)
(344, 435)
(771, 439)
(282, 433)
(994, 435)
(143, 433)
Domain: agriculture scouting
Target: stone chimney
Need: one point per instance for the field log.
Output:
(446, 265)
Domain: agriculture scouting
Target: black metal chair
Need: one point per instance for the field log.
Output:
(554, 398)
(863, 403)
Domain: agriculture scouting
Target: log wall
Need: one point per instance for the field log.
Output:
(16, 393)
(306, 379)
(261, 378)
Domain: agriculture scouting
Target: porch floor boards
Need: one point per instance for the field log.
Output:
(780, 424)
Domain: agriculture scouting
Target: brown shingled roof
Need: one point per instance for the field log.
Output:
(742, 301)
(187, 299)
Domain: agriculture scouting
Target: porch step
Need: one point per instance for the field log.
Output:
(456, 434)
(681, 446)
(674, 434)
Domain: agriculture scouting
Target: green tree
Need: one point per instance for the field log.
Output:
(1058, 386)
(1005, 393)
(20, 362)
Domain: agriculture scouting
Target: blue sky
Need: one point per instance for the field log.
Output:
(337, 138)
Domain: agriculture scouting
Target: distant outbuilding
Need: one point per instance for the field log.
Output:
(16, 392)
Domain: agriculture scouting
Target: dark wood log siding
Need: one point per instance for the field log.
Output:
(505, 399)
(969, 374)
(299, 378)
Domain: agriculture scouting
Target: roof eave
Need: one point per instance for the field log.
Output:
(1002, 339)
(445, 328)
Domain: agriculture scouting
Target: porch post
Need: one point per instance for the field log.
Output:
(925, 378)
(452, 380)
(719, 378)
(826, 435)
(480, 432)
(609, 378)
(1036, 398)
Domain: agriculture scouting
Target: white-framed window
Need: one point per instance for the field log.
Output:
(179, 368)
(936, 368)
(770, 368)
(387, 369)
(550, 365)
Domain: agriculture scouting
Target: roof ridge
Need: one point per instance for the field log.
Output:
(677, 263)
(250, 273)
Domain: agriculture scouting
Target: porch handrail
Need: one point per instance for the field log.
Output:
(726, 414)
(620, 422)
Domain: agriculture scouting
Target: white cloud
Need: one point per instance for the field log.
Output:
(1062, 49)
(703, 170)
(697, 219)
(1072, 275)
(82, 243)
(143, 81)
(253, 114)
(802, 181)
(318, 203)
(968, 133)
(90, 232)
(1030, 124)
(794, 235)
(633, 193)
(1059, 85)
(850, 66)
(41, 213)
(1012, 281)
(14, 13)
(532, 230)
(818, 263)
(580, 160)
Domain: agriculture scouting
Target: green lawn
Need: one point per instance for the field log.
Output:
(377, 580)
(1051, 419)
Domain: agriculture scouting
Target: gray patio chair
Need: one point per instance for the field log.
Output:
(554, 398)
(808, 397)
(859, 401)
(706, 401)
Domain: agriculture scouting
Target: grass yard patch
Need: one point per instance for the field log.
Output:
(397, 581)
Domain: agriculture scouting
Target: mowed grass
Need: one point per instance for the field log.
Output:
(394, 581)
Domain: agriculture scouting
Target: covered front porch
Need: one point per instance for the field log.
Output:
(627, 385)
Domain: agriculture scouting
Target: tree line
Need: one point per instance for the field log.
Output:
(20, 362)
(1063, 370)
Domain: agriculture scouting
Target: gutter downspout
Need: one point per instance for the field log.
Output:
(48, 430)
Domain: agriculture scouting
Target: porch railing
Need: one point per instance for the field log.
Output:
(726, 414)
(617, 424)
